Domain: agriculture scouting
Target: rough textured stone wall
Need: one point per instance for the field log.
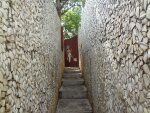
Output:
(114, 44)
(30, 56)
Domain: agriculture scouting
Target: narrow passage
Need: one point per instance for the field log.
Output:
(73, 93)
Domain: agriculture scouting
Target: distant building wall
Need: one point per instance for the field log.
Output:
(62, 39)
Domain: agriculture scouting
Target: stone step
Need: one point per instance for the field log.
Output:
(72, 70)
(73, 92)
(74, 106)
(72, 81)
(72, 75)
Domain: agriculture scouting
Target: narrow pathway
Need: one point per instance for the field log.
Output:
(73, 93)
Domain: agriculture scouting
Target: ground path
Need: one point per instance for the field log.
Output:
(73, 93)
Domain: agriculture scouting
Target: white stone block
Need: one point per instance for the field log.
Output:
(148, 12)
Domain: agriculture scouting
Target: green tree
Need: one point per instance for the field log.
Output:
(64, 5)
(71, 20)
(69, 12)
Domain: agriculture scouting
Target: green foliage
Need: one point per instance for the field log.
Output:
(68, 4)
(71, 20)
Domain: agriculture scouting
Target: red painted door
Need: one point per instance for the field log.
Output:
(71, 52)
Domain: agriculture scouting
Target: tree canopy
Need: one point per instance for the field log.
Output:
(71, 20)
(69, 12)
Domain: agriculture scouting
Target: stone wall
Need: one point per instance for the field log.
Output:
(30, 56)
(114, 44)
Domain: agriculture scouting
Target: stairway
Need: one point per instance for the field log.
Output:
(73, 93)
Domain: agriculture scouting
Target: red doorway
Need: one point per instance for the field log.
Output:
(71, 52)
